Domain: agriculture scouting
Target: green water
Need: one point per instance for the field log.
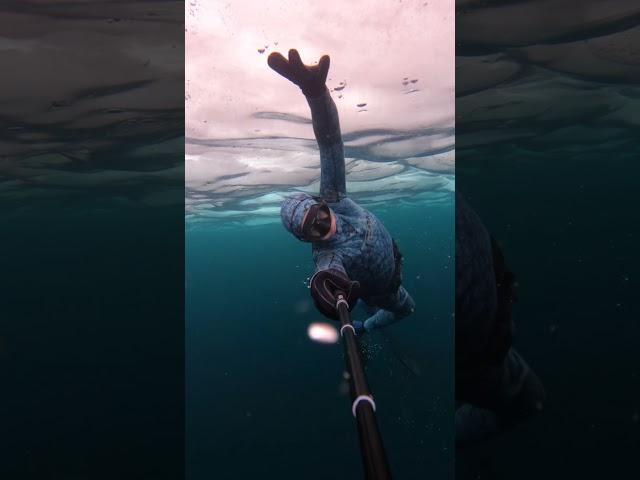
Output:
(262, 399)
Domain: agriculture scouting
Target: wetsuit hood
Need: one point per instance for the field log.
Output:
(292, 212)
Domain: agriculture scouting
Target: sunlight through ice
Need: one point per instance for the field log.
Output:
(248, 131)
(322, 333)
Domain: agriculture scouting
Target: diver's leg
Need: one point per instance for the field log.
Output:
(522, 394)
(392, 308)
(474, 424)
(516, 394)
(326, 127)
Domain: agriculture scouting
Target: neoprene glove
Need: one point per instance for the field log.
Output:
(324, 286)
(310, 79)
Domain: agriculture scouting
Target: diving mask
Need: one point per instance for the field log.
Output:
(317, 223)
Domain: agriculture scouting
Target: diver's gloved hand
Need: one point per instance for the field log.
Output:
(370, 323)
(325, 285)
(310, 79)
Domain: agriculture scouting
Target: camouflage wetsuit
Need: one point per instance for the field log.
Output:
(361, 247)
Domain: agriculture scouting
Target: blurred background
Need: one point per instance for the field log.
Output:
(547, 101)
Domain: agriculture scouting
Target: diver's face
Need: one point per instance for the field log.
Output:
(323, 215)
(318, 223)
(330, 218)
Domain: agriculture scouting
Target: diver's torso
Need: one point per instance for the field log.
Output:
(476, 297)
(364, 245)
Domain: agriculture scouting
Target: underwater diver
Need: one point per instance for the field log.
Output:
(352, 250)
(495, 388)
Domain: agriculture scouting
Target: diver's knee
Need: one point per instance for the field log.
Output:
(530, 399)
(408, 305)
(534, 393)
(474, 424)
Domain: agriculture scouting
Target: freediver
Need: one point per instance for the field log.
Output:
(352, 250)
(495, 389)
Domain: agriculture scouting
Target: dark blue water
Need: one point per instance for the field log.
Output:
(263, 400)
(547, 154)
(91, 344)
(92, 240)
(573, 251)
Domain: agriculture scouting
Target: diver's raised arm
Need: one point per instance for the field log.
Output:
(326, 127)
(324, 114)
